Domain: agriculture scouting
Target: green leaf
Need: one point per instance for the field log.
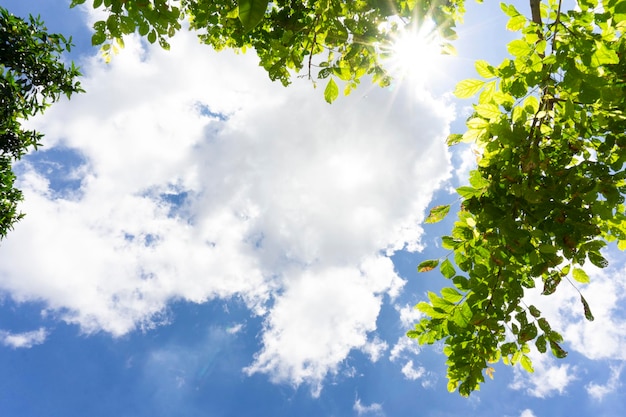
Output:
(437, 213)
(580, 276)
(451, 295)
(534, 311)
(428, 265)
(98, 38)
(484, 69)
(488, 110)
(453, 139)
(527, 364)
(519, 47)
(462, 315)
(468, 88)
(588, 314)
(557, 350)
(96, 3)
(447, 270)
(251, 13)
(331, 92)
(516, 23)
(541, 344)
(603, 55)
(597, 259)
(468, 192)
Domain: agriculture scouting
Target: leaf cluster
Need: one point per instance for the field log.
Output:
(548, 192)
(347, 38)
(32, 77)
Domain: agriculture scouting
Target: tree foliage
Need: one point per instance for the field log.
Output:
(32, 77)
(548, 125)
(548, 192)
(346, 38)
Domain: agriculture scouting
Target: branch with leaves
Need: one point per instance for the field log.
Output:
(346, 37)
(548, 192)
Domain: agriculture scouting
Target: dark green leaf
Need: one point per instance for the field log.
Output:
(588, 314)
(557, 350)
(251, 12)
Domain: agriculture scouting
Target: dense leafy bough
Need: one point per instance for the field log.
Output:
(348, 37)
(32, 77)
(548, 192)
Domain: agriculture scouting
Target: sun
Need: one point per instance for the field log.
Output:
(416, 54)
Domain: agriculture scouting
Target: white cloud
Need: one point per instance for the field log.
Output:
(291, 204)
(375, 348)
(548, 379)
(527, 413)
(409, 316)
(24, 340)
(404, 347)
(374, 408)
(598, 391)
(411, 372)
(603, 338)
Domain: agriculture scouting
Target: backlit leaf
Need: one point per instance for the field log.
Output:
(331, 92)
(468, 88)
(251, 12)
(447, 270)
(527, 364)
(428, 265)
(437, 213)
(519, 47)
(484, 69)
(580, 276)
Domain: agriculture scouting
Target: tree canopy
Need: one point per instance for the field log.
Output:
(549, 129)
(332, 39)
(32, 76)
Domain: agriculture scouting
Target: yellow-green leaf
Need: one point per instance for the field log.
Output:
(527, 364)
(519, 47)
(487, 110)
(467, 88)
(580, 276)
(437, 213)
(484, 69)
(331, 91)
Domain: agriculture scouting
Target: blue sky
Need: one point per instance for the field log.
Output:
(200, 241)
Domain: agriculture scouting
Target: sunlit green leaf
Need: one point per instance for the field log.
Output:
(468, 88)
(437, 213)
(527, 364)
(484, 69)
(580, 276)
(519, 47)
(451, 294)
(331, 92)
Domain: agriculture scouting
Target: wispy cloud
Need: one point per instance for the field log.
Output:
(599, 391)
(23, 340)
(372, 409)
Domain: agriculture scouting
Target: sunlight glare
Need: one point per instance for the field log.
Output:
(416, 55)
